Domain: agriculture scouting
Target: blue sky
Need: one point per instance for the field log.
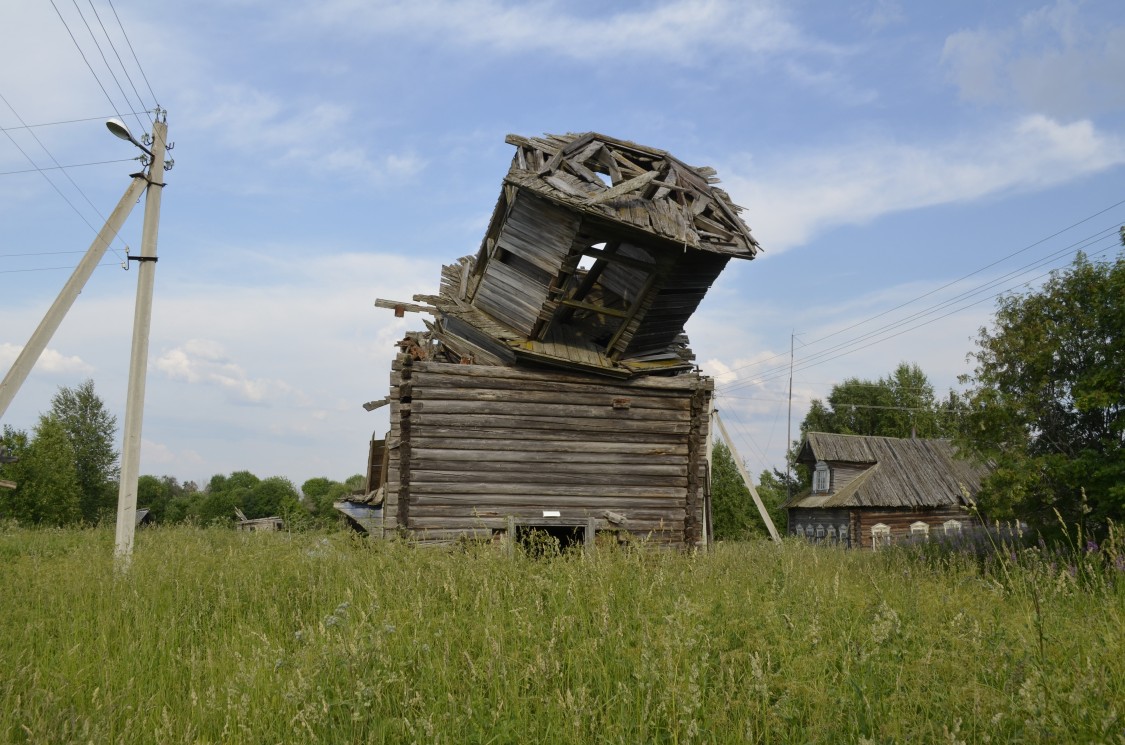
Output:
(890, 156)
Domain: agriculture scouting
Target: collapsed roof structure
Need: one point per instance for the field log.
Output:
(598, 252)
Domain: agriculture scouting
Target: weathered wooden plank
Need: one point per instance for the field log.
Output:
(556, 460)
(556, 470)
(456, 502)
(545, 377)
(555, 409)
(497, 491)
(593, 478)
(553, 422)
(435, 385)
(665, 530)
(476, 444)
(515, 436)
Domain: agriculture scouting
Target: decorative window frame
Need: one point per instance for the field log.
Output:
(880, 535)
(952, 527)
(822, 478)
(919, 529)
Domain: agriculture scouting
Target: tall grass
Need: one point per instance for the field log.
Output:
(217, 636)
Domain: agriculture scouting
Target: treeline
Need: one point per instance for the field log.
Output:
(65, 472)
(169, 501)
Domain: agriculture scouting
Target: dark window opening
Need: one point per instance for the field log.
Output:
(549, 540)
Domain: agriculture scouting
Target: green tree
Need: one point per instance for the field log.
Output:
(732, 510)
(47, 490)
(899, 405)
(774, 487)
(273, 496)
(1047, 399)
(734, 515)
(90, 431)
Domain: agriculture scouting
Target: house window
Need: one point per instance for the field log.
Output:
(844, 535)
(919, 530)
(880, 535)
(822, 478)
(952, 527)
(800, 532)
(820, 534)
(831, 533)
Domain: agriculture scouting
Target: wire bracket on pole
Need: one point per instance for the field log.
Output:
(130, 257)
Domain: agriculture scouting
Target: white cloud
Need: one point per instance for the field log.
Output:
(207, 362)
(790, 201)
(312, 135)
(1054, 60)
(677, 30)
(51, 361)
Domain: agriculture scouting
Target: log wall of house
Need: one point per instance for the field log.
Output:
(472, 447)
(900, 520)
(809, 519)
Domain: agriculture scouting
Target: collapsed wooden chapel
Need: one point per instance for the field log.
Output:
(553, 387)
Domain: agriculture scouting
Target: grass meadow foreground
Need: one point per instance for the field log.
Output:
(222, 637)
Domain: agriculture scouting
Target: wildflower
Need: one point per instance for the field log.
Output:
(1091, 546)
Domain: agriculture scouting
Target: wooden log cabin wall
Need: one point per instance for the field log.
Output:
(472, 447)
(553, 385)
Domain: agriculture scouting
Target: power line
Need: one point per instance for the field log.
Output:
(68, 121)
(108, 67)
(50, 268)
(43, 173)
(120, 62)
(58, 168)
(140, 67)
(810, 363)
(945, 286)
(88, 65)
(40, 253)
(777, 371)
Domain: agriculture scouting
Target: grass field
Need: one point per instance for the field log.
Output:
(218, 636)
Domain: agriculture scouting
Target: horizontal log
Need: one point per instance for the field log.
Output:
(427, 391)
(434, 385)
(524, 452)
(666, 529)
(562, 424)
(598, 493)
(569, 505)
(477, 440)
(471, 448)
(487, 372)
(558, 408)
(519, 434)
(530, 482)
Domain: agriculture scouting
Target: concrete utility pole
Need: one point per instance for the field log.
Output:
(70, 291)
(138, 361)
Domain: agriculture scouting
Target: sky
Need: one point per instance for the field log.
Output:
(900, 163)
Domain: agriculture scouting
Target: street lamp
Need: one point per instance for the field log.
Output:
(118, 128)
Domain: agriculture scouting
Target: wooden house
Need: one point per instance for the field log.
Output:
(872, 491)
(553, 387)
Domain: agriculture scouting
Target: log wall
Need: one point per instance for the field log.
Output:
(472, 446)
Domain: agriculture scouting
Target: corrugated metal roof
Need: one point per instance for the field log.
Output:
(901, 472)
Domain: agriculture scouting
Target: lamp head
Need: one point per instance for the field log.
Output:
(118, 128)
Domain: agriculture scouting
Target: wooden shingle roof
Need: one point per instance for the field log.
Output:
(898, 472)
(633, 185)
